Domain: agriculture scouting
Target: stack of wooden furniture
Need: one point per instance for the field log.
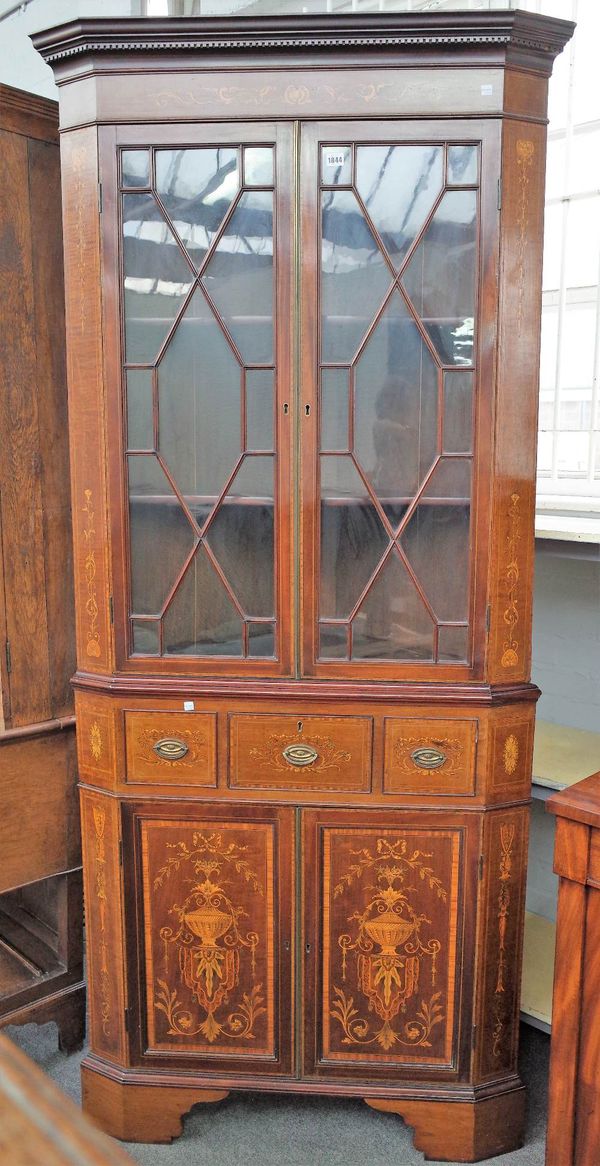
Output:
(41, 938)
(303, 334)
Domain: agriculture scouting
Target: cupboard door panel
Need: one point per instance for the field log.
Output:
(217, 934)
(391, 891)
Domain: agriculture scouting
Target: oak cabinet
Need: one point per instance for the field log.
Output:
(303, 345)
(41, 927)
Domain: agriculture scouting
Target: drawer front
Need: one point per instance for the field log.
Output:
(429, 756)
(171, 748)
(298, 752)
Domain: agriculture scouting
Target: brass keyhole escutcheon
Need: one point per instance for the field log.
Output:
(427, 758)
(170, 749)
(300, 754)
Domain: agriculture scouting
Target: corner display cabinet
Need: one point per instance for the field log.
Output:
(303, 292)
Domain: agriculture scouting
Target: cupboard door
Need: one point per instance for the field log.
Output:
(202, 336)
(385, 915)
(394, 243)
(215, 940)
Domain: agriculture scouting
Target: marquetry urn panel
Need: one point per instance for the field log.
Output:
(390, 904)
(211, 942)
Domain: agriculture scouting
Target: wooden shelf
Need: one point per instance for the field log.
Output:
(538, 971)
(562, 756)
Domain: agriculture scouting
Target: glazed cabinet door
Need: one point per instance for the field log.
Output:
(214, 935)
(196, 244)
(388, 944)
(399, 231)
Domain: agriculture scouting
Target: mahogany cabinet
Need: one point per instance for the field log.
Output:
(573, 1112)
(303, 292)
(41, 927)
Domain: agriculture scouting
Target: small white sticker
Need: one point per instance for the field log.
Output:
(487, 90)
(188, 706)
(335, 158)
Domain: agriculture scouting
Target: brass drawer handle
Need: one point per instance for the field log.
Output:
(170, 749)
(428, 758)
(300, 754)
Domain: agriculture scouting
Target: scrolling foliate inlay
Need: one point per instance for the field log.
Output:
(507, 840)
(525, 153)
(93, 647)
(213, 948)
(272, 754)
(510, 646)
(101, 896)
(195, 741)
(390, 947)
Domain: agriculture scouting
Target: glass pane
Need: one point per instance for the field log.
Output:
(578, 344)
(336, 165)
(555, 167)
(462, 165)
(440, 277)
(458, 412)
(157, 277)
(199, 393)
(239, 276)
(241, 536)
(135, 167)
(583, 243)
(436, 541)
(353, 538)
(201, 620)
(260, 394)
(258, 166)
(393, 623)
(197, 188)
(140, 419)
(545, 449)
(584, 163)
(355, 277)
(160, 533)
(145, 635)
(333, 641)
(453, 645)
(548, 348)
(396, 404)
(261, 639)
(573, 454)
(334, 408)
(399, 186)
(553, 228)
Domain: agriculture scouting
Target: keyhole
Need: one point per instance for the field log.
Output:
(307, 410)
(286, 407)
(299, 726)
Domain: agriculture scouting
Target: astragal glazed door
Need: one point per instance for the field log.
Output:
(201, 329)
(393, 353)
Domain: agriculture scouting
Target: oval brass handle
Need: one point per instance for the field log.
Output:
(428, 758)
(170, 749)
(300, 754)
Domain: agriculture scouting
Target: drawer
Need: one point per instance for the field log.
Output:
(171, 748)
(300, 752)
(429, 756)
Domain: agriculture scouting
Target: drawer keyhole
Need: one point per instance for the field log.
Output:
(300, 726)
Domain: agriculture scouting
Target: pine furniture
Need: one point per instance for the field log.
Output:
(41, 928)
(302, 262)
